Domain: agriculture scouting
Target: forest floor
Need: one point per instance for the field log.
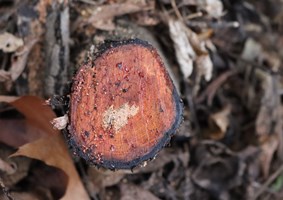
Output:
(225, 59)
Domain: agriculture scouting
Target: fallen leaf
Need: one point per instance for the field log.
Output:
(190, 50)
(184, 51)
(221, 118)
(218, 124)
(9, 42)
(53, 151)
(50, 147)
(19, 60)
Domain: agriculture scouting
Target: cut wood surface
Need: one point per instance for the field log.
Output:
(124, 107)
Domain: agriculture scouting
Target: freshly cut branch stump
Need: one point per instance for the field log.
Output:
(124, 107)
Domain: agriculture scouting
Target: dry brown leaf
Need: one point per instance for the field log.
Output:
(19, 60)
(34, 109)
(218, 124)
(20, 129)
(51, 147)
(53, 151)
(221, 118)
(9, 42)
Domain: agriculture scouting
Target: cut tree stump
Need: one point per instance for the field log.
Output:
(124, 107)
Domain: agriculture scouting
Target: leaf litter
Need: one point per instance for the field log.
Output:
(225, 58)
(49, 147)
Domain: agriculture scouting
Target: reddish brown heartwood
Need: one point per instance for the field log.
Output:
(124, 107)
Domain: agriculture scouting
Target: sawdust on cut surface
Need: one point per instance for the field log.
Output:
(118, 118)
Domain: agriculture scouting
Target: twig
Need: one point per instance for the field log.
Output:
(177, 12)
(91, 2)
(193, 15)
(271, 178)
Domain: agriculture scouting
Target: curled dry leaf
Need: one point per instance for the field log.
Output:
(19, 60)
(184, 51)
(50, 147)
(221, 118)
(190, 49)
(9, 42)
(53, 151)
